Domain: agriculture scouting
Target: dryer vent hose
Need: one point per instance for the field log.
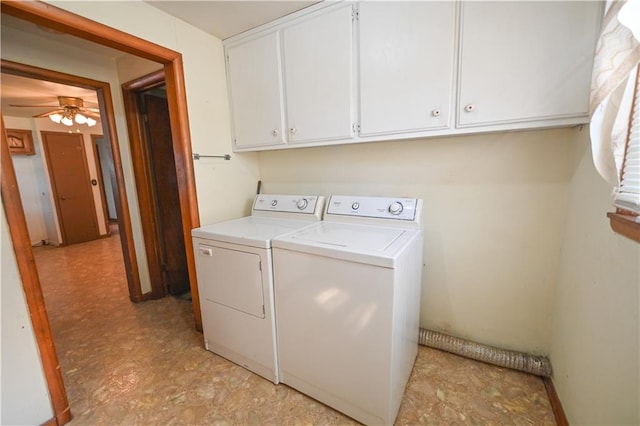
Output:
(538, 365)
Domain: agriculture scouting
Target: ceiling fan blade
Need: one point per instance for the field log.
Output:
(34, 106)
(46, 114)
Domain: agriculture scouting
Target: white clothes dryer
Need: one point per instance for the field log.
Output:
(348, 305)
(235, 279)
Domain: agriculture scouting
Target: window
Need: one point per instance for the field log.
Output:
(626, 219)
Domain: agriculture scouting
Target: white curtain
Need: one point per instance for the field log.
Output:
(616, 58)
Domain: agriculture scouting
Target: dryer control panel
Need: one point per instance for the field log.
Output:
(300, 204)
(373, 207)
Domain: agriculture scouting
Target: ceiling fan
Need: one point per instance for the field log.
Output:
(71, 110)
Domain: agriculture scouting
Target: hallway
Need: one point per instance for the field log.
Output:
(126, 363)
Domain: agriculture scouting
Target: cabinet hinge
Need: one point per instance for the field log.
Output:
(355, 14)
(260, 265)
(356, 127)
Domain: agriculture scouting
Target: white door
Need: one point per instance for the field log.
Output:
(255, 86)
(524, 61)
(318, 62)
(406, 66)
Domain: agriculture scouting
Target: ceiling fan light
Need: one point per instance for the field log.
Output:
(91, 122)
(80, 118)
(67, 121)
(56, 118)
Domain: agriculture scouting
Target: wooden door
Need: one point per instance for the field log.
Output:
(71, 184)
(167, 202)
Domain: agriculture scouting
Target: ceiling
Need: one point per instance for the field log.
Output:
(219, 18)
(224, 19)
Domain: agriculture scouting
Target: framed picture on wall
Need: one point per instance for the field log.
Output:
(20, 142)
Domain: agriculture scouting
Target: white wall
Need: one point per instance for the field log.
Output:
(24, 397)
(224, 188)
(35, 183)
(35, 191)
(595, 346)
(493, 217)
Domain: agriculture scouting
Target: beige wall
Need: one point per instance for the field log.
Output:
(595, 333)
(225, 188)
(24, 399)
(508, 261)
(493, 218)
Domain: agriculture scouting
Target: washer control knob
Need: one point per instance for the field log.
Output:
(302, 204)
(355, 206)
(395, 208)
(274, 203)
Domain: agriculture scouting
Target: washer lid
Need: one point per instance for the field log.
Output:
(249, 231)
(375, 245)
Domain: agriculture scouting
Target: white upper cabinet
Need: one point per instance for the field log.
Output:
(407, 54)
(345, 72)
(255, 83)
(318, 65)
(526, 61)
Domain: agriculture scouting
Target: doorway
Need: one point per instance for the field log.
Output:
(150, 136)
(71, 184)
(83, 28)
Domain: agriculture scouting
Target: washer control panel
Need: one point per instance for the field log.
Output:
(302, 204)
(373, 207)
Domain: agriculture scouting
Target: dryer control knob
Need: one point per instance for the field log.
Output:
(355, 206)
(395, 208)
(302, 204)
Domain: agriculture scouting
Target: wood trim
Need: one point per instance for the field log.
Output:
(31, 284)
(556, 405)
(50, 422)
(49, 16)
(179, 117)
(144, 179)
(100, 176)
(109, 128)
(625, 224)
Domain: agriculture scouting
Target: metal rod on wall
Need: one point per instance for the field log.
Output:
(197, 156)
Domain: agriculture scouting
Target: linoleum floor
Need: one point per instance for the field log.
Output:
(144, 364)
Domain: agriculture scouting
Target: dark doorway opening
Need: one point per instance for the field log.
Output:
(157, 183)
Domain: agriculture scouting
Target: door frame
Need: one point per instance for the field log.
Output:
(47, 146)
(49, 16)
(144, 179)
(103, 190)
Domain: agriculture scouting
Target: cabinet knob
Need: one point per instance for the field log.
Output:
(470, 107)
(435, 112)
(275, 132)
(292, 130)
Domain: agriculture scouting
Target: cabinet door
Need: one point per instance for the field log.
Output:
(255, 86)
(318, 60)
(525, 61)
(406, 66)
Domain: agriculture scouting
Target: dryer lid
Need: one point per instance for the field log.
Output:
(249, 231)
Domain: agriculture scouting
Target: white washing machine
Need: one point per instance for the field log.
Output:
(348, 302)
(235, 279)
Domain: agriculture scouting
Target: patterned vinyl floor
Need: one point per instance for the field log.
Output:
(144, 364)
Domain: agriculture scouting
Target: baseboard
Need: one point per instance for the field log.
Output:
(556, 405)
